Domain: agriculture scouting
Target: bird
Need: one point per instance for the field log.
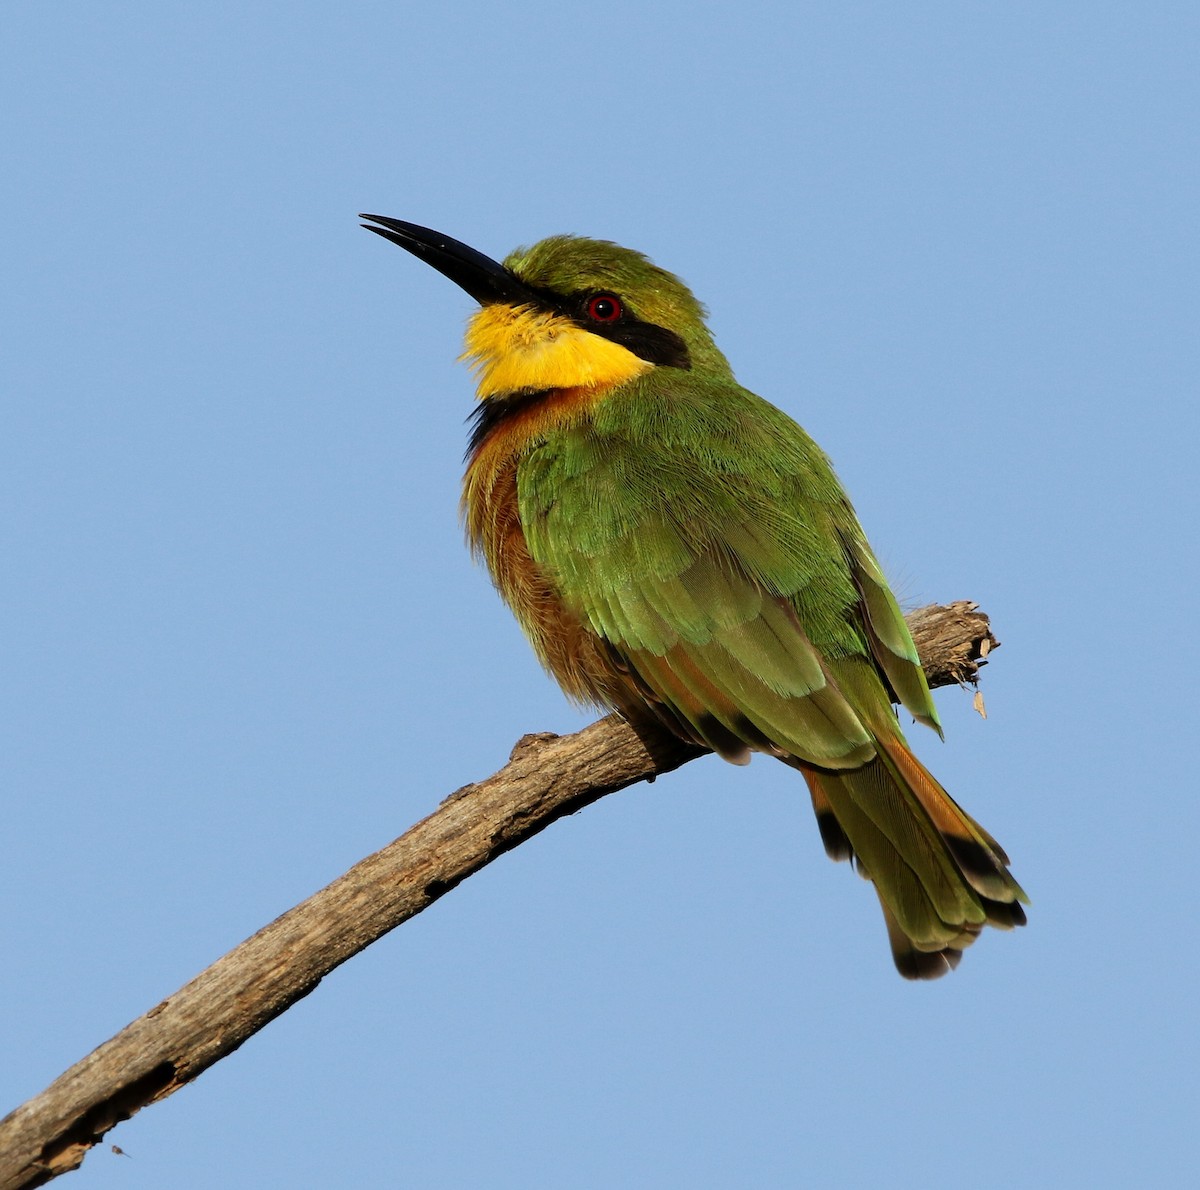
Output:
(679, 550)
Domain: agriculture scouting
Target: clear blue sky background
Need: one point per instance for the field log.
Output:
(243, 646)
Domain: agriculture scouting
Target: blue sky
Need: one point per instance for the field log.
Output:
(243, 645)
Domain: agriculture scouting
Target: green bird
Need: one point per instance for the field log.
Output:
(678, 549)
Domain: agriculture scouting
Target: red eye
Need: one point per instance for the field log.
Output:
(604, 308)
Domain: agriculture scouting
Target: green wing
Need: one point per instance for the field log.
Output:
(704, 536)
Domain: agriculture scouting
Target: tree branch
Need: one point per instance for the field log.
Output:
(547, 777)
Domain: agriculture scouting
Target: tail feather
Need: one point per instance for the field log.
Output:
(837, 845)
(912, 962)
(939, 876)
(1004, 915)
(979, 857)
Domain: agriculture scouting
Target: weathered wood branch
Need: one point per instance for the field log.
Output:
(546, 778)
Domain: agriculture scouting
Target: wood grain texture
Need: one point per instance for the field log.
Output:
(547, 777)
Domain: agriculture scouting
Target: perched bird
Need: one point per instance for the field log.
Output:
(678, 549)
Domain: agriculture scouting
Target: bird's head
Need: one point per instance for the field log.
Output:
(568, 312)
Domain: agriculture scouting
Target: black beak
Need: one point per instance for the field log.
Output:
(483, 278)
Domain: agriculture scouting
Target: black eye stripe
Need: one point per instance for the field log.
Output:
(655, 344)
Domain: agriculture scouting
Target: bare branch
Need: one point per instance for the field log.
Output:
(954, 641)
(546, 777)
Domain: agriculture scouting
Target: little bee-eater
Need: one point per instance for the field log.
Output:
(678, 549)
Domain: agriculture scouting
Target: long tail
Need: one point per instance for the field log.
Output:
(939, 875)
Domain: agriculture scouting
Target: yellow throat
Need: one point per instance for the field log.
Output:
(519, 348)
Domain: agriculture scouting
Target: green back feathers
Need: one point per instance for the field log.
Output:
(691, 520)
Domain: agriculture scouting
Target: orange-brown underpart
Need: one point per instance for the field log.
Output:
(576, 657)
